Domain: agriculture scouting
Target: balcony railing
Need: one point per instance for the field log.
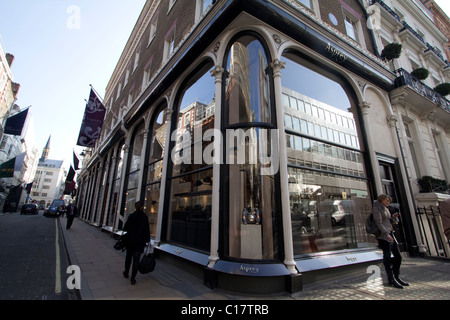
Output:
(406, 26)
(406, 79)
(387, 8)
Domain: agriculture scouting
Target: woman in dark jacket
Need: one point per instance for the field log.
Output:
(136, 238)
(387, 241)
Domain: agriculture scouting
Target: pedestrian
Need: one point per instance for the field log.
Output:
(136, 238)
(445, 217)
(387, 241)
(71, 213)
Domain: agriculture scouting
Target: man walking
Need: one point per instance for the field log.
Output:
(138, 234)
(71, 213)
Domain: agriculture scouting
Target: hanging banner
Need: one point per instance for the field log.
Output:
(91, 127)
(76, 161)
(7, 168)
(14, 125)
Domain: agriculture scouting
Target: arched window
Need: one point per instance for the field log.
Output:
(191, 177)
(134, 165)
(250, 200)
(154, 164)
(328, 185)
(117, 183)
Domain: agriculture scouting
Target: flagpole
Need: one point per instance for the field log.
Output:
(92, 87)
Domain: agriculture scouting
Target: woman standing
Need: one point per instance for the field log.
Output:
(387, 241)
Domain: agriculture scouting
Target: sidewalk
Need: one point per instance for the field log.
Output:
(102, 279)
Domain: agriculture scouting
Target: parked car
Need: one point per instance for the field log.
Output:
(30, 208)
(57, 208)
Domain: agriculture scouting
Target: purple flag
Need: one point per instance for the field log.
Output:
(91, 126)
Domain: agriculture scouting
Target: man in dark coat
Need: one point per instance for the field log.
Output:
(136, 238)
(71, 213)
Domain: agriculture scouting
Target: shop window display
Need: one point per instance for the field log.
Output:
(191, 178)
(328, 186)
(134, 169)
(251, 197)
(154, 165)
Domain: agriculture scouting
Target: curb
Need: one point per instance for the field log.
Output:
(84, 293)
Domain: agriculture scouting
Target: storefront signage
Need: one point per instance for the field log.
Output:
(335, 53)
(249, 269)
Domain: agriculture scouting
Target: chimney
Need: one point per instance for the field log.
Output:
(15, 88)
(10, 59)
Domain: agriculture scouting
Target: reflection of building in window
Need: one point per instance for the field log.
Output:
(351, 28)
(327, 182)
(315, 119)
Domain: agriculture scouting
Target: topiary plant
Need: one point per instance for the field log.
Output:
(391, 51)
(420, 73)
(431, 184)
(443, 89)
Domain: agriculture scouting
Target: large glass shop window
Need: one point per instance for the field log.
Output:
(154, 167)
(117, 183)
(192, 176)
(329, 197)
(249, 117)
(134, 169)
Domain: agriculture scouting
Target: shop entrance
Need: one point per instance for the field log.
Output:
(390, 187)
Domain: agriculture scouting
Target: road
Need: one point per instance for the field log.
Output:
(33, 259)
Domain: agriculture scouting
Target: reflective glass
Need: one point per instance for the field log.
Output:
(329, 197)
(252, 196)
(191, 177)
(247, 86)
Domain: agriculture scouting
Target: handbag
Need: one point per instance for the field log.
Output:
(120, 244)
(148, 262)
(371, 226)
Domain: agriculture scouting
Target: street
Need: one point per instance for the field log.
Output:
(33, 258)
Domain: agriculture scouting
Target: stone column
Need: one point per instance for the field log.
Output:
(217, 72)
(289, 261)
(365, 106)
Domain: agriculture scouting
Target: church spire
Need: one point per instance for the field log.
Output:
(46, 150)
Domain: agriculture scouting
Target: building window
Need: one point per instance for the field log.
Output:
(191, 175)
(134, 164)
(153, 27)
(117, 181)
(154, 165)
(127, 76)
(411, 140)
(328, 188)
(147, 74)
(440, 154)
(351, 28)
(136, 59)
(306, 3)
(169, 43)
(171, 4)
(250, 202)
(119, 90)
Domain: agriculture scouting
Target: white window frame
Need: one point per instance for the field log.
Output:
(153, 27)
(169, 44)
(171, 4)
(136, 59)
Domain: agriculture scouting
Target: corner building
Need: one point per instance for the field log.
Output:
(256, 133)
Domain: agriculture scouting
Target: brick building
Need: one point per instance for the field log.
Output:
(258, 134)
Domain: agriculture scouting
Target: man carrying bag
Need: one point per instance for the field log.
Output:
(137, 237)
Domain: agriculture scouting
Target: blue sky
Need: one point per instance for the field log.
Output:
(61, 47)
